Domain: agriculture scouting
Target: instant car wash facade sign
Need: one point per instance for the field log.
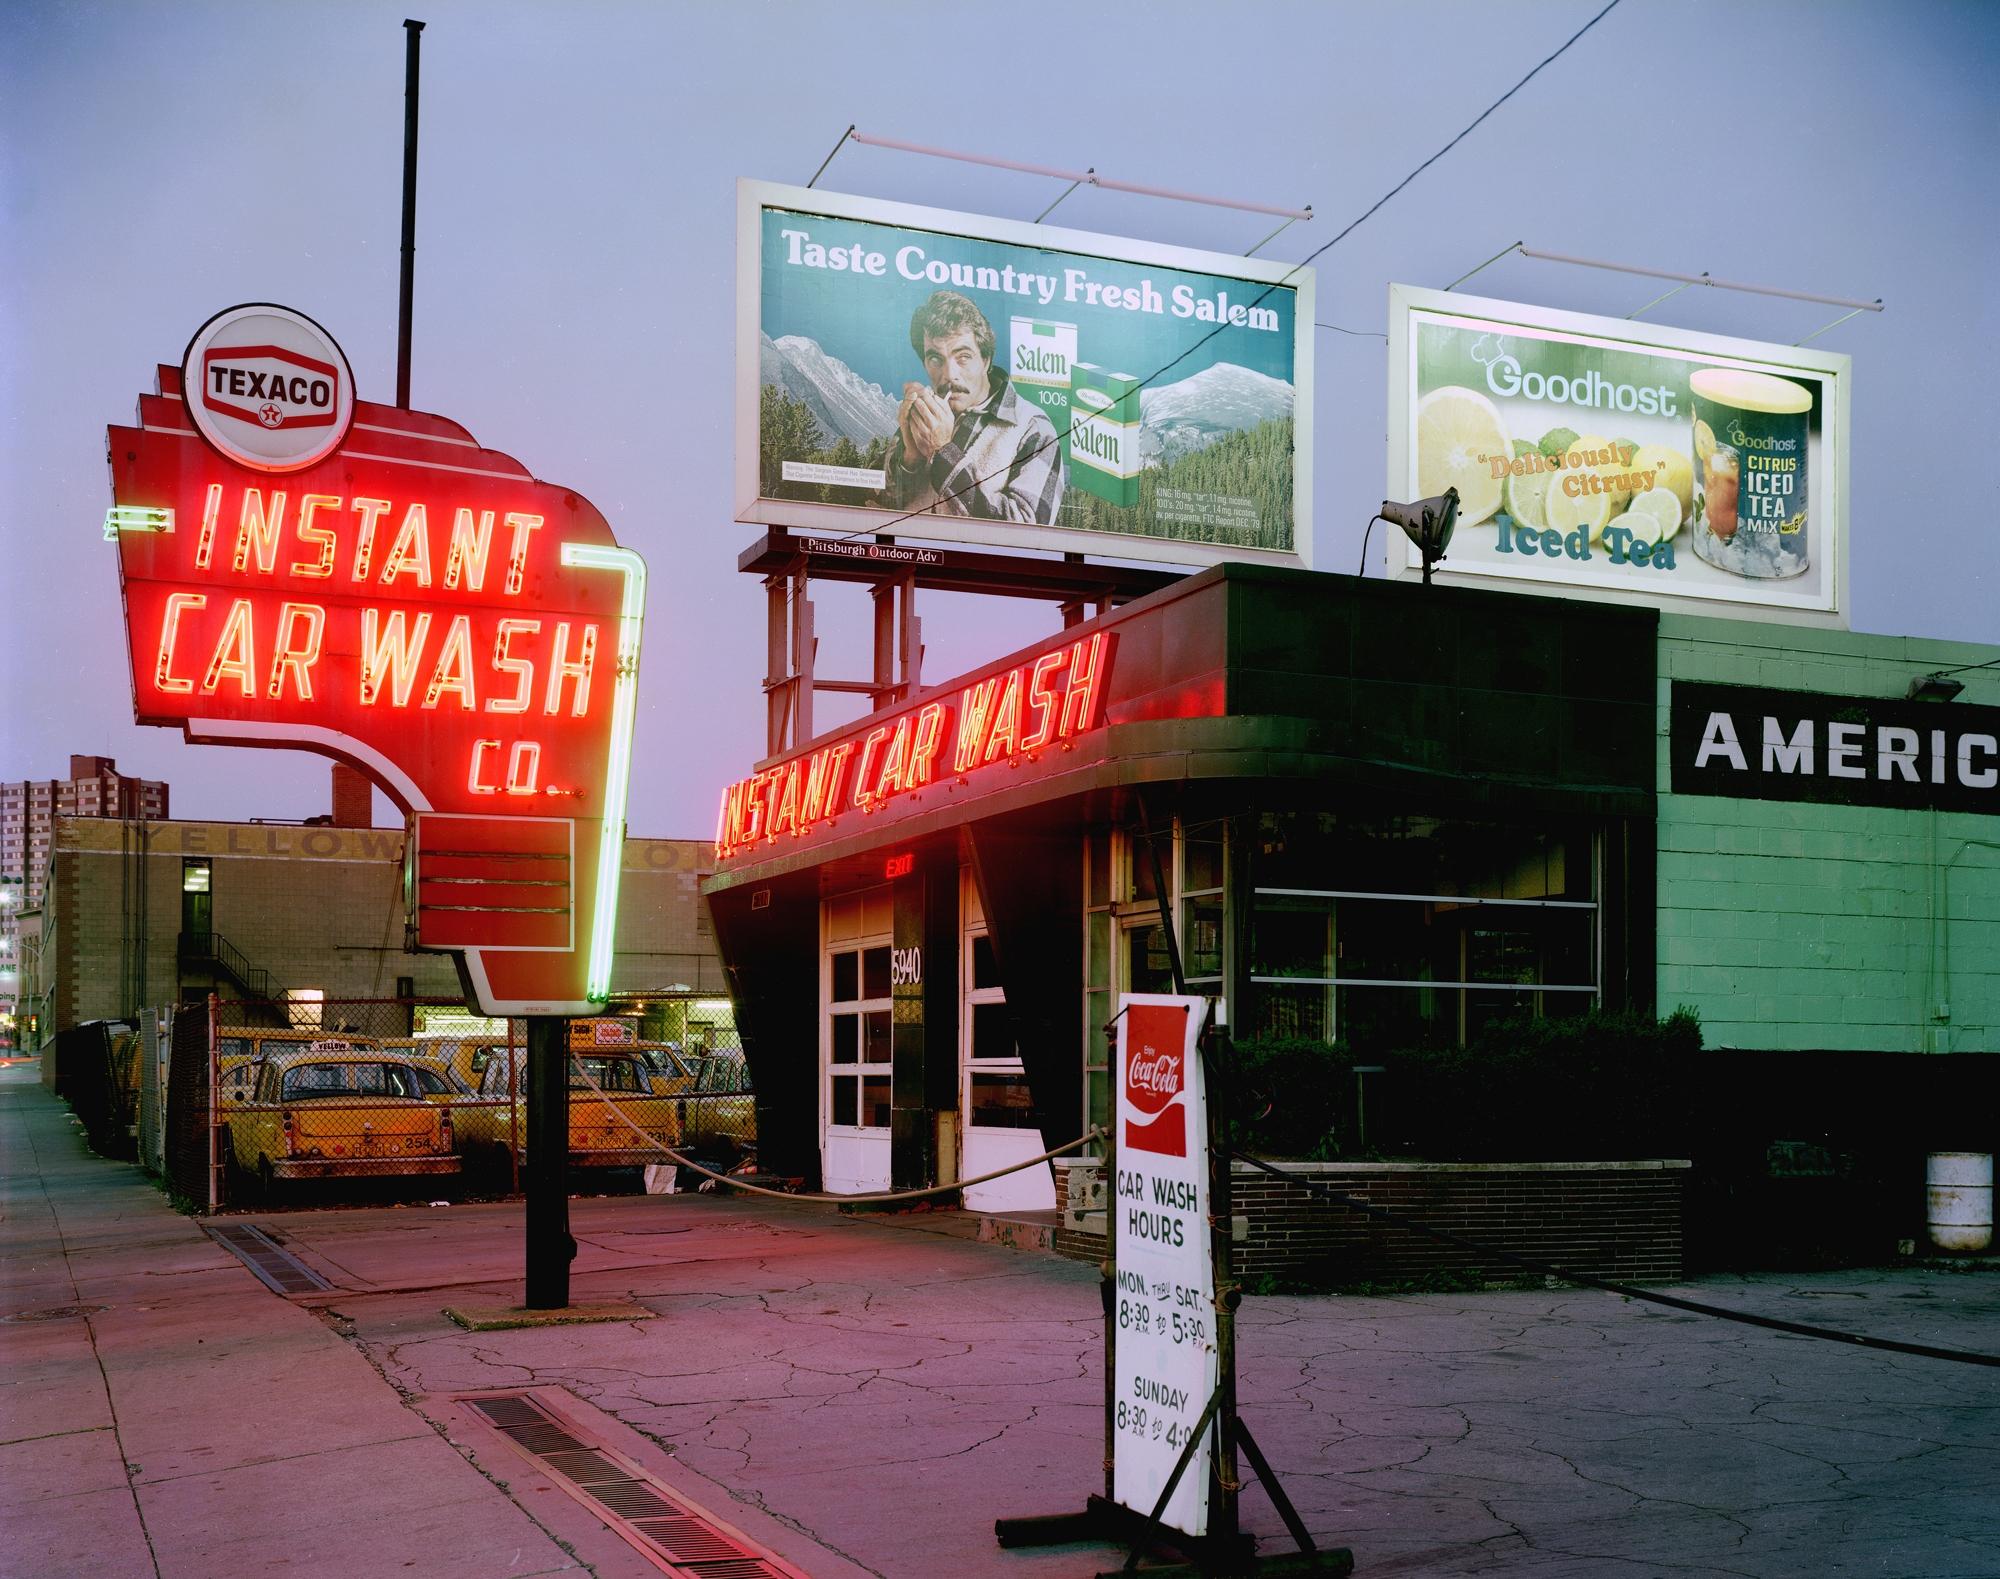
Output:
(1608, 458)
(1167, 1363)
(1017, 384)
(302, 568)
(1007, 717)
(1756, 744)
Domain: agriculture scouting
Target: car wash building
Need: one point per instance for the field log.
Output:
(1600, 739)
(1371, 810)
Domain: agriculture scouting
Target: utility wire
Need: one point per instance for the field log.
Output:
(1966, 667)
(1355, 224)
(1650, 1296)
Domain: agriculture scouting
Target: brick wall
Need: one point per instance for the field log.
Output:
(1799, 925)
(1616, 1220)
(316, 907)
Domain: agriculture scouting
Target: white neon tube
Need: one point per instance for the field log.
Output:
(618, 766)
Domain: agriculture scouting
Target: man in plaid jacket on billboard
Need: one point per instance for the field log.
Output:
(966, 443)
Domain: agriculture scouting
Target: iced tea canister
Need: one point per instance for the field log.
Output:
(1750, 433)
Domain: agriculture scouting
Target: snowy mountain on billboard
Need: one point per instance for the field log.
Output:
(843, 403)
(1224, 398)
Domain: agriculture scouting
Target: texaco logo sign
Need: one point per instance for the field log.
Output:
(268, 387)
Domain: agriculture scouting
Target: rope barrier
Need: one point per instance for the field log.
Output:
(871, 1198)
(1583, 1280)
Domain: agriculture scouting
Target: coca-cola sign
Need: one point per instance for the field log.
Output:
(1153, 1078)
(1155, 1052)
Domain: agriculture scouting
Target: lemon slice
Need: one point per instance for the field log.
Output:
(1664, 503)
(1671, 470)
(1591, 511)
(1704, 440)
(1644, 526)
(1459, 431)
(1527, 498)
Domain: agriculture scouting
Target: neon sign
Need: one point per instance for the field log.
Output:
(1009, 716)
(425, 610)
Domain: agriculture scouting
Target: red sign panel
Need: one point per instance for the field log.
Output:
(1155, 1073)
(421, 608)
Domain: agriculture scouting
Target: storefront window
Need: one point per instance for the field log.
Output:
(1398, 931)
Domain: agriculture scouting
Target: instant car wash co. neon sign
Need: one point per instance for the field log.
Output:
(382, 590)
(1009, 716)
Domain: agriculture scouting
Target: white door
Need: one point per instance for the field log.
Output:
(995, 1114)
(854, 1042)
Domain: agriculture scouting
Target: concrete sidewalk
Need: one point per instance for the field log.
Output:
(163, 1413)
(863, 1395)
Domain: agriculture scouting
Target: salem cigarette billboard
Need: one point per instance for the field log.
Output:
(937, 375)
(1609, 458)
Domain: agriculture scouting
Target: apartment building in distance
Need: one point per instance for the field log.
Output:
(28, 810)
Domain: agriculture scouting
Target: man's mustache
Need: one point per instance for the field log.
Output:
(951, 389)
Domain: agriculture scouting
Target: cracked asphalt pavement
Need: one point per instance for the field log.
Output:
(886, 1388)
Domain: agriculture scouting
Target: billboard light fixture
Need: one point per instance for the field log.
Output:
(1428, 523)
(1933, 688)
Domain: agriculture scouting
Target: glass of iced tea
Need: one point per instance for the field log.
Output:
(1721, 473)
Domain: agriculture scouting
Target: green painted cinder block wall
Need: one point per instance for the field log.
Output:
(1796, 925)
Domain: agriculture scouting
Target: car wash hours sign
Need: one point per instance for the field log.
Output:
(1166, 1363)
(301, 568)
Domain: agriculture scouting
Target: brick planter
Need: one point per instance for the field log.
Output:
(1616, 1220)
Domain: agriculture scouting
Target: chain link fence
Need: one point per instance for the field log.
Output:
(326, 1101)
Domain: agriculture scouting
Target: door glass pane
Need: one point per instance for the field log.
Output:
(1202, 936)
(1001, 1102)
(992, 1031)
(1098, 855)
(1150, 969)
(1201, 859)
(876, 1048)
(846, 977)
(846, 1029)
(845, 1088)
(1098, 976)
(875, 1101)
(875, 972)
(985, 972)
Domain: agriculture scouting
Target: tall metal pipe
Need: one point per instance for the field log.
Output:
(412, 67)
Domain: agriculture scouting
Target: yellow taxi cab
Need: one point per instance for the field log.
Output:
(618, 1117)
(239, 1049)
(334, 1110)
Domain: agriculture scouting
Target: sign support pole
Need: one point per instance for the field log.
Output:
(550, 1247)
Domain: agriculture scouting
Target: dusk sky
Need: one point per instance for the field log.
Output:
(576, 267)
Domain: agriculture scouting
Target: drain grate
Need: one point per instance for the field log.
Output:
(676, 1535)
(276, 1267)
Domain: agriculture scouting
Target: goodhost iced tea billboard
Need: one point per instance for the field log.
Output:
(1620, 459)
(1016, 384)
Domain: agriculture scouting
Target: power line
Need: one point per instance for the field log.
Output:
(1324, 247)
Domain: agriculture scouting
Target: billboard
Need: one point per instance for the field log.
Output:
(927, 374)
(1607, 458)
(305, 569)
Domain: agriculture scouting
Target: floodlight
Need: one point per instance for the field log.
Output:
(1933, 688)
(1426, 522)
